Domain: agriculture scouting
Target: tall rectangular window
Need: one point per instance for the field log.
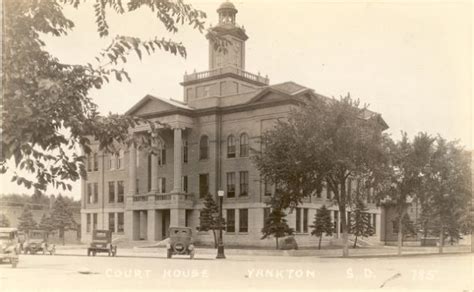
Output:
(96, 192)
(89, 162)
(185, 151)
(162, 156)
(298, 220)
(266, 213)
(184, 183)
(88, 224)
(96, 162)
(120, 159)
(111, 161)
(305, 220)
(203, 185)
(111, 192)
(89, 193)
(162, 185)
(336, 220)
(137, 186)
(94, 221)
(243, 220)
(231, 184)
(267, 188)
(120, 191)
(244, 183)
(230, 218)
(231, 146)
(112, 222)
(120, 221)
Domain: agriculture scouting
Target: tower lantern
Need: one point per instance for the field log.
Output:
(227, 12)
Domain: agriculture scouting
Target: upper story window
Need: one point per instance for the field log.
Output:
(162, 154)
(244, 145)
(204, 148)
(120, 159)
(185, 151)
(89, 162)
(112, 161)
(96, 162)
(231, 146)
(244, 183)
(231, 184)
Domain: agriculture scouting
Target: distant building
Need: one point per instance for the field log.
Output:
(207, 148)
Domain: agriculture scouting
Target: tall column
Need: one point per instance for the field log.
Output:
(178, 144)
(152, 227)
(132, 170)
(154, 172)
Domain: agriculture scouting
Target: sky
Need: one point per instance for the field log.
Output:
(409, 61)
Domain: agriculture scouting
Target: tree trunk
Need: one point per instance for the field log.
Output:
(319, 245)
(276, 242)
(345, 234)
(355, 242)
(61, 234)
(400, 236)
(215, 238)
(441, 239)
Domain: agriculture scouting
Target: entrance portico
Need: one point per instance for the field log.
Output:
(154, 211)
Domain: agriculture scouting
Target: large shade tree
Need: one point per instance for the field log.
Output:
(323, 142)
(47, 112)
(448, 182)
(403, 176)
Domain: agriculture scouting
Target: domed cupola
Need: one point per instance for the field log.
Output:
(227, 12)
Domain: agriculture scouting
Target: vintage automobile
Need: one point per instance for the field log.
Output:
(102, 242)
(10, 247)
(180, 242)
(37, 241)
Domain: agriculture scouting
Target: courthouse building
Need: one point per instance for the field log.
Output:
(207, 147)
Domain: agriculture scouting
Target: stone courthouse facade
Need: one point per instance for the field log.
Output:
(207, 148)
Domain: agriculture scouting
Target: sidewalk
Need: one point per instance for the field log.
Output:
(358, 252)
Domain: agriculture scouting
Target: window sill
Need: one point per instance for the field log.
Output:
(243, 233)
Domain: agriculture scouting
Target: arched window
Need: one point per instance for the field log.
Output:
(231, 146)
(244, 145)
(204, 147)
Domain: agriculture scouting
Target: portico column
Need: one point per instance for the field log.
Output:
(178, 144)
(132, 170)
(154, 172)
